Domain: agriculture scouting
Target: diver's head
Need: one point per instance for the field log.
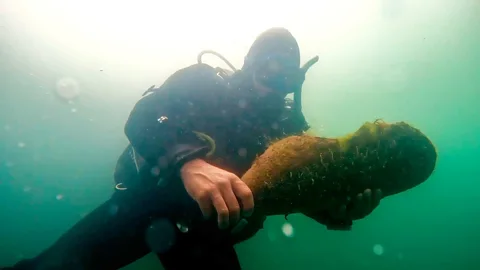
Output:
(273, 61)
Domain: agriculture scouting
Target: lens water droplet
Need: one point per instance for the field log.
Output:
(160, 235)
(378, 249)
(113, 210)
(67, 89)
(287, 229)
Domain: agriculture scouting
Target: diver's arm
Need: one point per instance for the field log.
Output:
(159, 126)
(158, 135)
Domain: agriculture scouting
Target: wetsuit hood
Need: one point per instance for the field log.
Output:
(274, 42)
(274, 61)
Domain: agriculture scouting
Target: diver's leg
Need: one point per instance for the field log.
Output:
(201, 257)
(199, 252)
(110, 237)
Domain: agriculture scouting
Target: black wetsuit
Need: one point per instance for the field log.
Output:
(160, 129)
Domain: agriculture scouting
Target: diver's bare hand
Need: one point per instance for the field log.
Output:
(361, 206)
(212, 187)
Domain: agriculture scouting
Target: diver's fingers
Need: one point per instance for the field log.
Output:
(367, 199)
(377, 197)
(357, 206)
(245, 196)
(232, 204)
(359, 202)
(340, 212)
(221, 208)
(205, 204)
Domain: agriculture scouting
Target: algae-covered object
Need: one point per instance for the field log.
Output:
(307, 174)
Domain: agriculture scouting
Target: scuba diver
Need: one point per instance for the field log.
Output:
(178, 192)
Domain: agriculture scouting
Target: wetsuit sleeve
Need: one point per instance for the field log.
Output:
(161, 126)
(125, 171)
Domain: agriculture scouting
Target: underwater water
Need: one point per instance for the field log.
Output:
(70, 72)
